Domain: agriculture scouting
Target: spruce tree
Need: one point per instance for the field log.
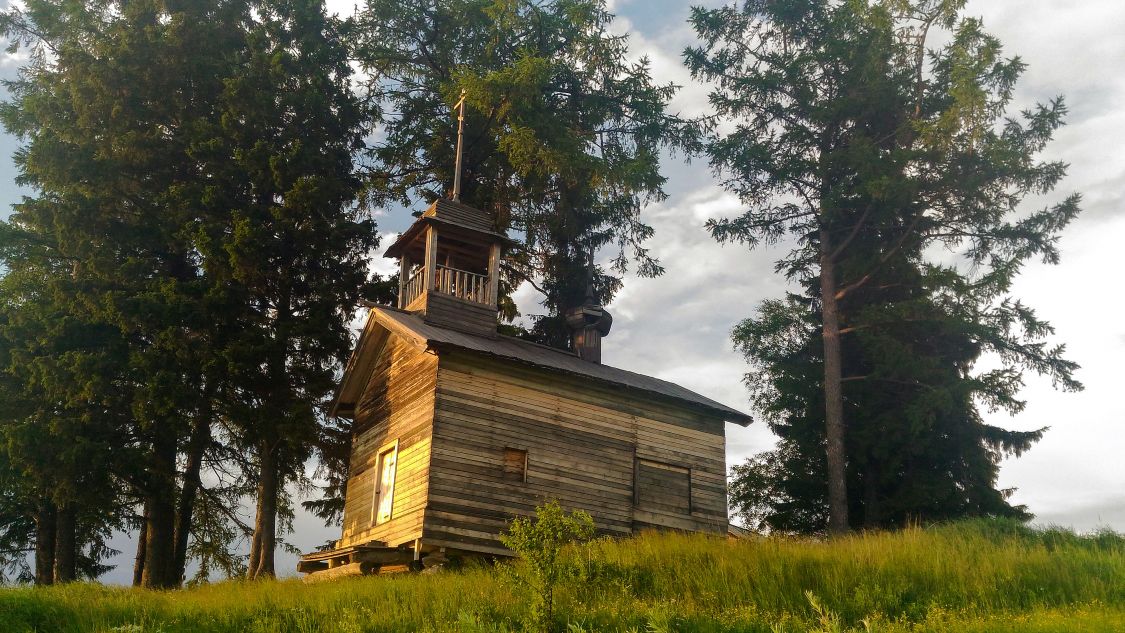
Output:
(863, 146)
(292, 257)
(105, 106)
(189, 259)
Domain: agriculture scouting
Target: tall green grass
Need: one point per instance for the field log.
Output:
(973, 576)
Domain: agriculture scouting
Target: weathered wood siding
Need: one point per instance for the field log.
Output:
(582, 441)
(458, 314)
(684, 438)
(397, 404)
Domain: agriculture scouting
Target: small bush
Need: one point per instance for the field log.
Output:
(539, 543)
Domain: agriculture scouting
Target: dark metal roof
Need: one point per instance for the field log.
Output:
(414, 327)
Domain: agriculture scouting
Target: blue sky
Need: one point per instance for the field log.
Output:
(677, 327)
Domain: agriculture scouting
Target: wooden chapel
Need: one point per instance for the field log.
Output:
(456, 429)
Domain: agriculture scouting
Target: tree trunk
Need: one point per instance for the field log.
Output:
(159, 572)
(66, 545)
(142, 543)
(833, 392)
(255, 553)
(265, 524)
(256, 539)
(197, 445)
(45, 543)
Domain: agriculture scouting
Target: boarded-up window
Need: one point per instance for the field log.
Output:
(383, 501)
(663, 487)
(515, 464)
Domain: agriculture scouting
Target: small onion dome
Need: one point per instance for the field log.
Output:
(589, 322)
(590, 314)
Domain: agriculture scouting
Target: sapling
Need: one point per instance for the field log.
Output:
(539, 543)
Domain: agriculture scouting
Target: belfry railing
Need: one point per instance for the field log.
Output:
(414, 287)
(462, 284)
(448, 280)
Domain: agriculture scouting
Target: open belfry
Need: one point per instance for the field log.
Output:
(457, 429)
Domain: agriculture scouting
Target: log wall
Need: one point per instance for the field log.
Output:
(397, 404)
(448, 311)
(584, 446)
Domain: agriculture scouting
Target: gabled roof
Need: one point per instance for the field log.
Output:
(382, 321)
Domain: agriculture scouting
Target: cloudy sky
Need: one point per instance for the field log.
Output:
(677, 327)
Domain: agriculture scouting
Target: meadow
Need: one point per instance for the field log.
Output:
(977, 576)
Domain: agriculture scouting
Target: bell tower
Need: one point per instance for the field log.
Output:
(449, 267)
(449, 259)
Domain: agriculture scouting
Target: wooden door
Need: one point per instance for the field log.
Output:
(384, 492)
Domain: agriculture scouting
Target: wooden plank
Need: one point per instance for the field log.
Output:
(343, 571)
(664, 486)
(448, 311)
(557, 414)
(431, 256)
(577, 449)
(622, 399)
(532, 402)
(493, 273)
(397, 404)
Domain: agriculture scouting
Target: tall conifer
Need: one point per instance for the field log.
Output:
(863, 146)
(190, 256)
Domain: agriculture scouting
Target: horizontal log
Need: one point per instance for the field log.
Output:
(343, 571)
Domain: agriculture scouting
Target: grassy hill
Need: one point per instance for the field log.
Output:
(975, 576)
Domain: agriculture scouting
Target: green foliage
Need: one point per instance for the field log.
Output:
(986, 576)
(539, 544)
(188, 262)
(563, 133)
(869, 152)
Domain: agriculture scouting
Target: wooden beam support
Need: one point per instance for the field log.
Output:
(403, 273)
(343, 571)
(493, 273)
(431, 256)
